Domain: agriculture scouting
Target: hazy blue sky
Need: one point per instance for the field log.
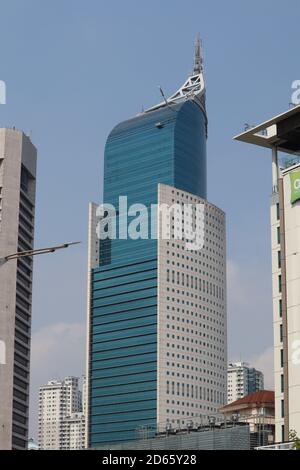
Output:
(74, 69)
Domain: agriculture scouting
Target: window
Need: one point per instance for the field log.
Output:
(278, 235)
(278, 211)
(279, 259)
(24, 179)
(281, 333)
(281, 357)
(280, 308)
(280, 283)
(282, 433)
(282, 408)
(282, 383)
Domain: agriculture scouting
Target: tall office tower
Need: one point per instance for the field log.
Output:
(17, 205)
(61, 421)
(156, 310)
(242, 380)
(281, 134)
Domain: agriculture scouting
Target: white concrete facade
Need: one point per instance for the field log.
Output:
(93, 261)
(192, 324)
(277, 316)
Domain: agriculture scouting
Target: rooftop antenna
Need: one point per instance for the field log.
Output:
(198, 61)
(193, 87)
(163, 95)
(165, 99)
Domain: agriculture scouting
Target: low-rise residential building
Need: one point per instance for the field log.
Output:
(256, 409)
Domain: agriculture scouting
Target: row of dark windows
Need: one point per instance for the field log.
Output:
(114, 277)
(25, 339)
(25, 212)
(18, 430)
(22, 314)
(17, 443)
(21, 360)
(23, 267)
(25, 328)
(22, 349)
(127, 283)
(24, 199)
(20, 395)
(24, 246)
(19, 406)
(23, 290)
(18, 370)
(19, 418)
(28, 225)
(23, 303)
(194, 282)
(20, 383)
(128, 266)
(25, 236)
(127, 301)
(25, 281)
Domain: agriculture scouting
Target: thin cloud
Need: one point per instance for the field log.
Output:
(265, 363)
(250, 323)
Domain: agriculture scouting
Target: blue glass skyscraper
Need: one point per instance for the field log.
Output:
(163, 147)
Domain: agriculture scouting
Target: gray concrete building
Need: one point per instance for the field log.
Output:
(17, 207)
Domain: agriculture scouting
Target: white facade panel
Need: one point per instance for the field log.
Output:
(277, 319)
(292, 239)
(192, 336)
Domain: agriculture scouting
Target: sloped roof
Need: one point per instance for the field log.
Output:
(262, 397)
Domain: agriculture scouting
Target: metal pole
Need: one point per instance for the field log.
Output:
(39, 251)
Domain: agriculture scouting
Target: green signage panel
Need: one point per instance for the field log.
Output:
(295, 186)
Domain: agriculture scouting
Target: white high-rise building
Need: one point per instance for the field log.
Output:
(61, 419)
(18, 158)
(285, 218)
(282, 134)
(242, 380)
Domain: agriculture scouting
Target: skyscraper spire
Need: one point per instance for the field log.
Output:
(193, 88)
(198, 63)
